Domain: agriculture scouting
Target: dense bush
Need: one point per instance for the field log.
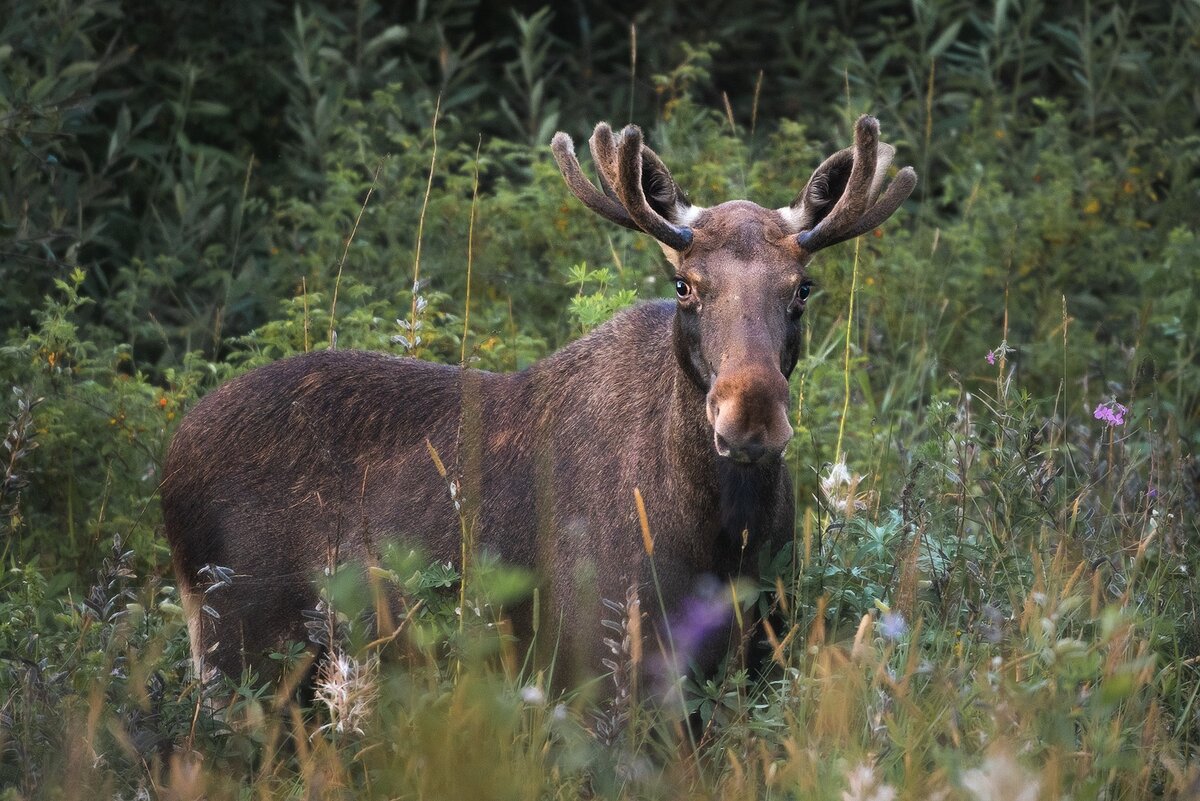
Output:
(997, 410)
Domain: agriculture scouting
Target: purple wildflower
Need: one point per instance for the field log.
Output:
(991, 357)
(1112, 413)
(702, 616)
(707, 611)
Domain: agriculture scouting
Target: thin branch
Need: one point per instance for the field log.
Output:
(346, 251)
(412, 330)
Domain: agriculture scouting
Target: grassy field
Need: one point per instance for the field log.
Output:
(991, 592)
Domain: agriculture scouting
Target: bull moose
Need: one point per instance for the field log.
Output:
(685, 400)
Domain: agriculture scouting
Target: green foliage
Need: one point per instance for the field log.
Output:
(593, 308)
(986, 579)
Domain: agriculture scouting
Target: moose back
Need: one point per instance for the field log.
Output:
(328, 455)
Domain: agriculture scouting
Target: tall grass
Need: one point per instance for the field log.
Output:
(1015, 609)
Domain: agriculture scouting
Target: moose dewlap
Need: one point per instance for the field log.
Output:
(684, 400)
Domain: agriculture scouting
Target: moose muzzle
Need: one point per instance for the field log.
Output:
(748, 410)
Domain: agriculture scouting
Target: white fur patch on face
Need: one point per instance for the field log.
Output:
(686, 215)
(792, 217)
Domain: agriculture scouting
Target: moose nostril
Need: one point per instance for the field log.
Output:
(743, 453)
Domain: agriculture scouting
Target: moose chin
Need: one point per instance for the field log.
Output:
(647, 454)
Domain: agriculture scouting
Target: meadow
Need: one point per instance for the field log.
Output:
(991, 592)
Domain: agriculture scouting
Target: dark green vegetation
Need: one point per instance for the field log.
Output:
(187, 192)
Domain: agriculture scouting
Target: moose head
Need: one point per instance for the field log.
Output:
(739, 269)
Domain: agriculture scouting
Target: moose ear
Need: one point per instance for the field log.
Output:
(636, 188)
(843, 198)
(822, 192)
(663, 195)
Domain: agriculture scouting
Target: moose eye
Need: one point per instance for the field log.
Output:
(682, 288)
(796, 307)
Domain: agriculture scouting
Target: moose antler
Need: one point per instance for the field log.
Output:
(627, 170)
(632, 157)
(859, 208)
(603, 203)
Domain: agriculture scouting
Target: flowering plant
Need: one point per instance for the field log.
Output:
(1112, 413)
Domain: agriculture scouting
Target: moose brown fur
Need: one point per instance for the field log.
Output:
(685, 400)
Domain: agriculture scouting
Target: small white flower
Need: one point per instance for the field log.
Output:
(348, 689)
(533, 695)
(892, 625)
(863, 785)
(838, 474)
(840, 488)
(1001, 778)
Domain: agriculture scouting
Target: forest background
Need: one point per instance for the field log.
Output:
(997, 410)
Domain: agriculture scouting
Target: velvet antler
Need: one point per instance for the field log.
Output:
(636, 188)
(849, 181)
